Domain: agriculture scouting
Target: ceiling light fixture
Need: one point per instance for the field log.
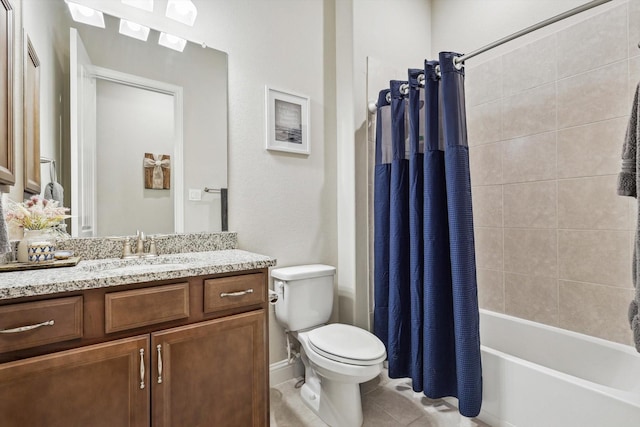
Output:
(172, 42)
(86, 15)
(140, 4)
(182, 11)
(131, 29)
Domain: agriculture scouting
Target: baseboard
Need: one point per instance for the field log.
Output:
(282, 371)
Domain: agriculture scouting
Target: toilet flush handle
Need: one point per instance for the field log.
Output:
(273, 297)
(278, 293)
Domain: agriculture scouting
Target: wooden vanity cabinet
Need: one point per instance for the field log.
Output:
(94, 386)
(206, 369)
(213, 373)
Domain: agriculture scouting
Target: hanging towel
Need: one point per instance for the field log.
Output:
(53, 190)
(628, 186)
(5, 246)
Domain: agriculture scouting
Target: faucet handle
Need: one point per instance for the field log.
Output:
(126, 248)
(152, 247)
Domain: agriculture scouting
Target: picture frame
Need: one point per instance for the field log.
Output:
(287, 121)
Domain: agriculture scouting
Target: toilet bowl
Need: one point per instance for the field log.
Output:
(337, 357)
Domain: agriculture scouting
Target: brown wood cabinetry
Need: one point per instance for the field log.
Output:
(93, 386)
(213, 373)
(177, 365)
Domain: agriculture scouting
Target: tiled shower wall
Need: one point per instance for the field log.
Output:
(546, 123)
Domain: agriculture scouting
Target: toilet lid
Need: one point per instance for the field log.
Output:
(346, 343)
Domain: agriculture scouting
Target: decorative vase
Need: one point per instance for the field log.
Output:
(36, 246)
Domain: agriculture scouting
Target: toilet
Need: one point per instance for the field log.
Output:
(336, 357)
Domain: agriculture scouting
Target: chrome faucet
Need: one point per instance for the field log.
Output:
(135, 249)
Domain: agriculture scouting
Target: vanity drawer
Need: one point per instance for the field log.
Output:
(232, 292)
(142, 307)
(32, 324)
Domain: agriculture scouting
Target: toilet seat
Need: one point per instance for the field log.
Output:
(347, 344)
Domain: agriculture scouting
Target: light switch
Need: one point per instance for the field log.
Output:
(195, 194)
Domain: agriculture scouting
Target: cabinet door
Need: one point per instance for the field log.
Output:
(99, 385)
(212, 373)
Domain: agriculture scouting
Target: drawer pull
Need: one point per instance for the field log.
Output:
(159, 347)
(27, 328)
(236, 294)
(141, 368)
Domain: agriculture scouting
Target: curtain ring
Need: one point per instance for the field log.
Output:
(387, 97)
(404, 89)
(421, 80)
(457, 63)
(438, 73)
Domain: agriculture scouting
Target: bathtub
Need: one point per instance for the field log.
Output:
(540, 376)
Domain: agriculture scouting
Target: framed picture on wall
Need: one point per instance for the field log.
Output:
(287, 121)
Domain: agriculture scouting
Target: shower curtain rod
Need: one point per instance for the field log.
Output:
(532, 28)
(461, 59)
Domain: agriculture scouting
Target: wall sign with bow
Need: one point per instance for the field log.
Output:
(157, 171)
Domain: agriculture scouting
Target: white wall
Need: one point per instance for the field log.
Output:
(388, 38)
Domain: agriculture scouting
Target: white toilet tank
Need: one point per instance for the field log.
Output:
(305, 295)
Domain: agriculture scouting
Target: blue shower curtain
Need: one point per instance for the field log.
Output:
(426, 309)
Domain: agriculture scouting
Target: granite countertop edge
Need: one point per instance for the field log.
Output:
(21, 284)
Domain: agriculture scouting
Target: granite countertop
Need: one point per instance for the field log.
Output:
(108, 272)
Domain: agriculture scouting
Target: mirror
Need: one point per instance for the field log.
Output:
(130, 99)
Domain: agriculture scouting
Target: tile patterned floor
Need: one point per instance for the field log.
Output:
(385, 403)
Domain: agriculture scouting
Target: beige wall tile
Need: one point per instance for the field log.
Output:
(531, 297)
(489, 248)
(592, 203)
(531, 205)
(529, 112)
(634, 69)
(483, 82)
(491, 290)
(531, 158)
(530, 66)
(531, 251)
(485, 164)
(634, 28)
(487, 206)
(596, 310)
(595, 257)
(633, 213)
(484, 123)
(596, 41)
(593, 149)
(596, 95)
